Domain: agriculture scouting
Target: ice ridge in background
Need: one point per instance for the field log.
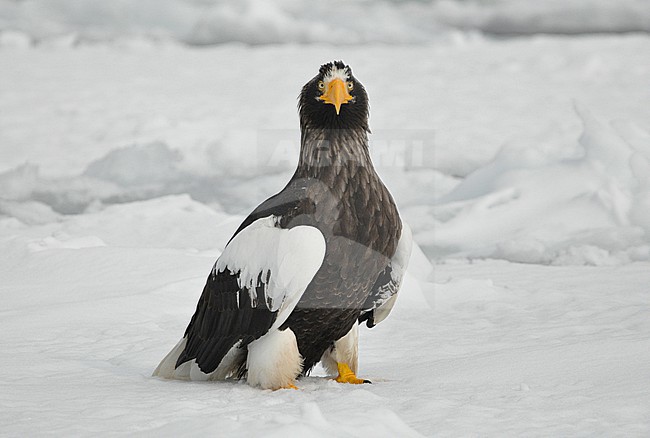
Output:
(205, 22)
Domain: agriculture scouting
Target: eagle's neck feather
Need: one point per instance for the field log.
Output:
(325, 153)
(347, 196)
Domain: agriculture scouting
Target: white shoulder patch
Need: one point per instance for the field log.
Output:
(283, 260)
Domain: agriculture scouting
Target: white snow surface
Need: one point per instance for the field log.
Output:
(521, 165)
(486, 348)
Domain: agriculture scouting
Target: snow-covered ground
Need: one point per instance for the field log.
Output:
(126, 165)
(93, 302)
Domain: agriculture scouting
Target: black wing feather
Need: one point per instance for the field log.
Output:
(224, 316)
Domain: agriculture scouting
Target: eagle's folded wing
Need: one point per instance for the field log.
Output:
(384, 292)
(253, 287)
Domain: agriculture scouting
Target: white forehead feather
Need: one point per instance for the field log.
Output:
(337, 73)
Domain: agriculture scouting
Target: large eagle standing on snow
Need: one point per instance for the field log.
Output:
(325, 254)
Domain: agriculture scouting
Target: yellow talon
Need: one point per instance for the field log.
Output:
(289, 386)
(347, 376)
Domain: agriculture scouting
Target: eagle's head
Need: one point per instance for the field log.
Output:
(334, 99)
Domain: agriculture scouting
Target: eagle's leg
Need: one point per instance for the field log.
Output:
(347, 376)
(343, 358)
(274, 361)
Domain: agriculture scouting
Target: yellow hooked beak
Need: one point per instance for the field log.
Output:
(336, 94)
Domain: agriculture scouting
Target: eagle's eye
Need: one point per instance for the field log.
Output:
(350, 85)
(321, 85)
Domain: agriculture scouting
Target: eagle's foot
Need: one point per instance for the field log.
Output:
(289, 386)
(347, 376)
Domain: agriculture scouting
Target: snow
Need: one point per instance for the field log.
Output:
(529, 135)
(527, 201)
(127, 160)
(500, 348)
(203, 22)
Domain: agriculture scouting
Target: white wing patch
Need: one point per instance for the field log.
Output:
(282, 261)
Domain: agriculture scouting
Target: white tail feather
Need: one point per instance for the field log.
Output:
(167, 367)
(190, 370)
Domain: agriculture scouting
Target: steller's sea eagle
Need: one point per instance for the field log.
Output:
(309, 264)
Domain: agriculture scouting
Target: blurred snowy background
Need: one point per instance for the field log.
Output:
(110, 102)
(136, 134)
(202, 22)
